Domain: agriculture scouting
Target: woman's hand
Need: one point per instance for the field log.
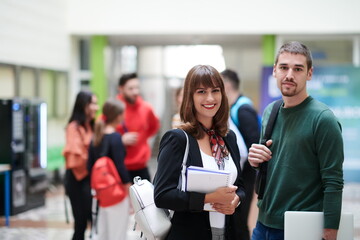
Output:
(127, 186)
(223, 196)
(227, 209)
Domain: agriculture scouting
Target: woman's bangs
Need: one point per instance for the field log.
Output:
(206, 81)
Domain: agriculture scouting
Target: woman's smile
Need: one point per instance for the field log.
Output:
(209, 106)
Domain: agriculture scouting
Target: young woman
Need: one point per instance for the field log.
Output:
(112, 220)
(79, 132)
(205, 113)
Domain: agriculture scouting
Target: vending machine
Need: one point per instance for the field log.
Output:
(35, 124)
(23, 138)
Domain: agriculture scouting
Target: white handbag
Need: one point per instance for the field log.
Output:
(153, 222)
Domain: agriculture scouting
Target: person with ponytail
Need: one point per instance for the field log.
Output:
(204, 112)
(112, 220)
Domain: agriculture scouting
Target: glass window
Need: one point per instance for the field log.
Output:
(85, 85)
(7, 80)
(84, 54)
(128, 59)
(179, 59)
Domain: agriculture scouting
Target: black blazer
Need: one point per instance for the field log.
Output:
(189, 220)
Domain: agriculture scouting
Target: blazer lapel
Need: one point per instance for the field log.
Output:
(234, 154)
(194, 153)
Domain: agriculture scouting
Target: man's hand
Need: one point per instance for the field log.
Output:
(329, 234)
(129, 138)
(259, 153)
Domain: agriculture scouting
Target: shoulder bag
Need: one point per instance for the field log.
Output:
(153, 222)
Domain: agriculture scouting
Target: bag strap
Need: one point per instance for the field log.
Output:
(95, 216)
(105, 150)
(268, 131)
(242, 100)
(271, 121)
(183, 170)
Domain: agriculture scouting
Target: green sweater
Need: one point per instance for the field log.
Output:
(305, 171)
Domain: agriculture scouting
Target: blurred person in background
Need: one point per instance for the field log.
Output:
(79, 132)
(139, 125)
(112, 220)
(205, 112)
(176, 121)
(245, 118)
(305, 153)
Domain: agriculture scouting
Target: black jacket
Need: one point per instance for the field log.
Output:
(189, 220)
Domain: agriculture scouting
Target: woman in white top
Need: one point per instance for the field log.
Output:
(205, 113)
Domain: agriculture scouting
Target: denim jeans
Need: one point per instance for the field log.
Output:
(262, 232)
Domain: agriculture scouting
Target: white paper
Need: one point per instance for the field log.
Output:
(204, 180)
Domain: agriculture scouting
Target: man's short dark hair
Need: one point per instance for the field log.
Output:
(232, 77)
(296, 48)
(126, 77)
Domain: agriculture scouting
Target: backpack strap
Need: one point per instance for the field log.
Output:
(260, 180)
(271, 121)
(234, 109)
(105, 149)
(95, 216)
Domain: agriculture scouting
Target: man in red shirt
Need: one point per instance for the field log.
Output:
(140, 123)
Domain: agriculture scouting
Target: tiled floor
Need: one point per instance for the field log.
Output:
(49, 222)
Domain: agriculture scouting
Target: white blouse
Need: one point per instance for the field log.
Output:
(217, 219)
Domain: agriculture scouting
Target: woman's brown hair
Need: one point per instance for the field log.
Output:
(112, 108)
(207, 76)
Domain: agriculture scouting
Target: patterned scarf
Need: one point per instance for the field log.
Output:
(218, 148)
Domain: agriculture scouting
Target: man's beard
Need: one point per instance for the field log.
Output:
(288, 93)
(130, 100)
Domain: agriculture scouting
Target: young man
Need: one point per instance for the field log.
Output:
(245, 118)
(140, 123)
(305, 153)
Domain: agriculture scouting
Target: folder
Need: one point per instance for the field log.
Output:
(204, 180)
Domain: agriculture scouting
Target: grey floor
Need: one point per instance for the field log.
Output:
(49, 222)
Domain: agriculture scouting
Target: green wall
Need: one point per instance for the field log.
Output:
(268, 47)
(98, 82)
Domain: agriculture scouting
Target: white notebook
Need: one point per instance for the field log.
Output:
(300, 225)
(204, 180)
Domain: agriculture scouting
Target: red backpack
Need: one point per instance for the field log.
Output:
(106, 182)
